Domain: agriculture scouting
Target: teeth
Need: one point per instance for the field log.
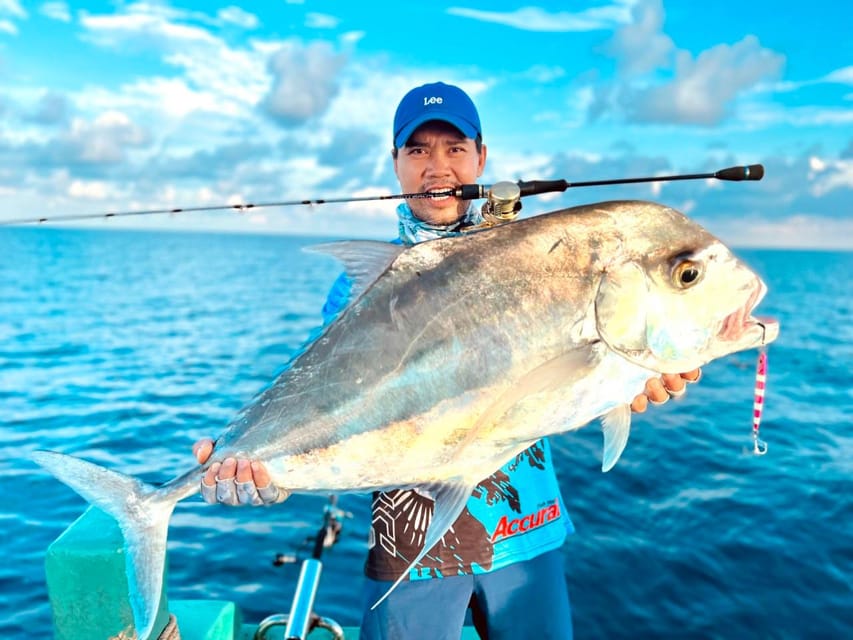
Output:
(439, 191)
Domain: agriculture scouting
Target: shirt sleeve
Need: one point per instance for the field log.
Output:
(337, 299)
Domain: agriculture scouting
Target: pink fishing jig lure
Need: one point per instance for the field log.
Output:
(759, 446)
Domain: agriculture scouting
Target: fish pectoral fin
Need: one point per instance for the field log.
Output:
(450, 500)
(557, 373)
(554, 375)
(616, 425)
(364, 260)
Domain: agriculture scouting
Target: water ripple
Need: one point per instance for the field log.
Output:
(126, 347)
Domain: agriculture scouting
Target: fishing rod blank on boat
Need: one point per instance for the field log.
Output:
(465, 192)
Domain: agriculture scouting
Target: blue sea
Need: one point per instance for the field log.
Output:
(125, 347)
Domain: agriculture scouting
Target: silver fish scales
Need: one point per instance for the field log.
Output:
(458, 353)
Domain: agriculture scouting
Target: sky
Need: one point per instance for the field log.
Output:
(128, 106)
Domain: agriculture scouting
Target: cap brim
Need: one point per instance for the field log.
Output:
(467, 129)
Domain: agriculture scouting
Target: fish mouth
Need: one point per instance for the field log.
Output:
(742, 326)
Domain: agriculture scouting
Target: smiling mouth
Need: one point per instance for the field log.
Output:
(440, 194)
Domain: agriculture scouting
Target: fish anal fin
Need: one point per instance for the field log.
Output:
(616, 425)
(450, 500)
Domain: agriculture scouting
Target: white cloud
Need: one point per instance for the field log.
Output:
(215, 78)
(537, 19)
(829, 176)
(352, 37)
(105, 140)
(88, 190)
(795, 231)
(235, 199)
(56, 11)
(304, 81)
(173, 97)
(321, 21)
(841, 76)
(641, 46)
(704, 88)
(543, 74)
(143, 27)
(50, 108)
(700, 90)
(520, 166)
(239, 17)
(192, 131)
(12, 8)
(372, 210)
(233, 76)
(767, 116)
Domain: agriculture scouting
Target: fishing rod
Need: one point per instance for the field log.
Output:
(503, 196)
(302, 620)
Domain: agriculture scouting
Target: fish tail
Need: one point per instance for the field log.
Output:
(142, 512)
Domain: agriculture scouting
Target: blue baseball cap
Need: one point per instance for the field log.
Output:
(435, 101)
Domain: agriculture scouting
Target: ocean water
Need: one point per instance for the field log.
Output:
(125, 347)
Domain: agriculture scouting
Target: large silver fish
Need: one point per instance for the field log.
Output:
(456, 354)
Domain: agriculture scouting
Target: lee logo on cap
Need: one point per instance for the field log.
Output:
(433, 100)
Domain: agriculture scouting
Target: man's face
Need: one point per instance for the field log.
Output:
(438, 157)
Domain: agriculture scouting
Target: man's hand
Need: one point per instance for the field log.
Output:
(236, 481)
(659, 390)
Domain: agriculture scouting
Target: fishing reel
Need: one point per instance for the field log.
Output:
(503, 203)
(325, 538)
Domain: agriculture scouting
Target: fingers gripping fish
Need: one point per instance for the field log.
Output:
(456, 354)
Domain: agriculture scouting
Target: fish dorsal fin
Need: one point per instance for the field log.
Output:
(450, 499)
(364, 260)
(616, 425)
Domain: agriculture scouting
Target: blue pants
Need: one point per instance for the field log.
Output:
(524, 600)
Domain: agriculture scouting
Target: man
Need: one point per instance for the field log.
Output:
(501, 557)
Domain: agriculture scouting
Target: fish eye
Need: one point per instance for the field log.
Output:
(686, 273)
